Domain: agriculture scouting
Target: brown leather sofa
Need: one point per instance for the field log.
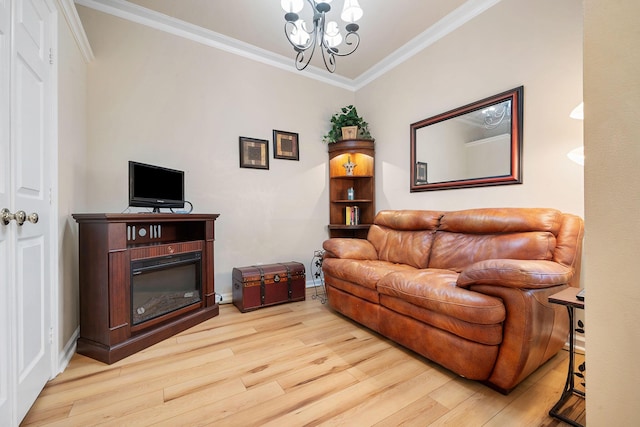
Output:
(465, 289)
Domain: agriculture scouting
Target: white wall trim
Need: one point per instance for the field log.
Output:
(138, 14)
(444, 26)
(67, 352)
(70, 13)
(52, 137)
(159, 21)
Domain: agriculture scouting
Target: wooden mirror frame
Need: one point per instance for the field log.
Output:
(515, 175)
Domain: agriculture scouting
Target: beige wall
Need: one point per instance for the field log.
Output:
(161, 99)
(612, 210)
(516, 42)
(72, 140)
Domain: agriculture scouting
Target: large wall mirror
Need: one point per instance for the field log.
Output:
(477, 145)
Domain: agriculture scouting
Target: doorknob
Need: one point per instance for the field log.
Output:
(6, 216)
(20, 216)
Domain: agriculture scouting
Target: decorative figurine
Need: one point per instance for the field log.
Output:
(349, 166)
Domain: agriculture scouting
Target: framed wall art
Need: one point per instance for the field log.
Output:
(285, 145)
(254, 153)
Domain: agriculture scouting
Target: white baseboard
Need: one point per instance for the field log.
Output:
(68, 351)
(580, 344)
(226, 298)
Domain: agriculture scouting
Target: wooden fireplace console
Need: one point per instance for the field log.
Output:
(108, 244)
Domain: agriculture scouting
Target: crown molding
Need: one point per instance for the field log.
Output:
(448, 24)
(132, 12)
(168, 24)
(70, 13)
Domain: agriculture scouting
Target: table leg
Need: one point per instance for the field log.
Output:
(569, 388)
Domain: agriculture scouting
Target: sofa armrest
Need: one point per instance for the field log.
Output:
(513, 273)
(349, 249)
(533, 331)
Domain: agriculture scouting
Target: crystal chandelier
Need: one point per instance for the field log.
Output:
(324, 33)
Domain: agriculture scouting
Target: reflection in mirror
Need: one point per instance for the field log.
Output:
(475, 145)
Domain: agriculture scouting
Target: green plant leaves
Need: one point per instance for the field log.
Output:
(347, 116)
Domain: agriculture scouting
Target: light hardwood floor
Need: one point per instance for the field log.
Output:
(289, 365)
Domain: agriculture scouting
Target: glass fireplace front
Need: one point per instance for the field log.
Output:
(164, 284)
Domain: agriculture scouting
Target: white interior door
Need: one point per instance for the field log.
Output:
(6, 374)
(27, 241)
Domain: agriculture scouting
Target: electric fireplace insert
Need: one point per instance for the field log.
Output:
(162, 285)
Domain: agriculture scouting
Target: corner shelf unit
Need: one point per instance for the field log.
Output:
(362, 153)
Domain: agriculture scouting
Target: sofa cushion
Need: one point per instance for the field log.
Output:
(353, 289)
(501, 220)
(473, 235)
(484, 334)
(402, 247)
(455, 251)
(361, 272)
(409, 220)
(404, 236)
(436, 289)
(467, 358)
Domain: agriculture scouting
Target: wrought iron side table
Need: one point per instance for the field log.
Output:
(568, 298)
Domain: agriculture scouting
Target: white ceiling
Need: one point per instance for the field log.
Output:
(391, 30)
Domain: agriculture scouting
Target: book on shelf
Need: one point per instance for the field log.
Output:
(352, 215)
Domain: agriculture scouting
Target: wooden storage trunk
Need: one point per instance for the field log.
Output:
(260, 286)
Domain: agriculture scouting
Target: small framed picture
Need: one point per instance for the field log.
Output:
(285, 145)
(421, 173)
(254, 153)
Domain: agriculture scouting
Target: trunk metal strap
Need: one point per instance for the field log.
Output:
(276, 278)
(263, 286)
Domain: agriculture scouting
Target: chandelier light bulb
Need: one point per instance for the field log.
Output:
(332, 34)
(321, 33)
(299, 34)
(292, 6)
(351, 12)
(332, 29)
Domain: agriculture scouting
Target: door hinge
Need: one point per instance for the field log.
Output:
(51, 56)
(50, 334)
(50, 196)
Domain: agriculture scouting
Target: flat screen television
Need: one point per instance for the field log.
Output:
(155, 186)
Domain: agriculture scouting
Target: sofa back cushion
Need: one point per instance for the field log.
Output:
(569, 245)
(454, 240)
(469, 236)
(404, 237)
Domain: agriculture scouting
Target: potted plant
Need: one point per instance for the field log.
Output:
(345, 118)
